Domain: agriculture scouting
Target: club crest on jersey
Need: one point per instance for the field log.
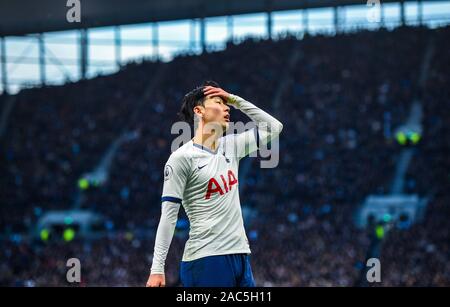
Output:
(226, 183)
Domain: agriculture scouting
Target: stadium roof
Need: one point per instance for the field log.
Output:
(21, 17)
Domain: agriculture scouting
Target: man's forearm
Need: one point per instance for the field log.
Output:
(164, 235)
(266, 122)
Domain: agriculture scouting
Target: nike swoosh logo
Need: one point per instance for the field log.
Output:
(200, 167)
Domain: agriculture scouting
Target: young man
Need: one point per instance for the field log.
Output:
(202, 175)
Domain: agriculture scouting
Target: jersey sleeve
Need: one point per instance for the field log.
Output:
(246, 142)
(164, 235)
(176, 172)
(268, 127)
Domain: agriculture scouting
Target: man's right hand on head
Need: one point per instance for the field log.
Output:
(156, 280)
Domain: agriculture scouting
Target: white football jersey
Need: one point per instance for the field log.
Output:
(206, 184)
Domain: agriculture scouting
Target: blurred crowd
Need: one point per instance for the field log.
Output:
(420, 256)
(346, 95)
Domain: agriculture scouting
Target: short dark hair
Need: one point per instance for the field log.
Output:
(192, 99)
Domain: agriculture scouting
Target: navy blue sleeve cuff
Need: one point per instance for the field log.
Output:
(171, 199)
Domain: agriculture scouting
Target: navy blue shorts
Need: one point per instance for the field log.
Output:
(218, 271)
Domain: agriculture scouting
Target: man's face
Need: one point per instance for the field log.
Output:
(216, 112)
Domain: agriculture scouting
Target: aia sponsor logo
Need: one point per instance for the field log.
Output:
(225, 185)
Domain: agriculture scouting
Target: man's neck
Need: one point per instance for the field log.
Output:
(208, 140)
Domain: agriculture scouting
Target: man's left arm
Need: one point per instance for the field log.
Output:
(268, 127)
